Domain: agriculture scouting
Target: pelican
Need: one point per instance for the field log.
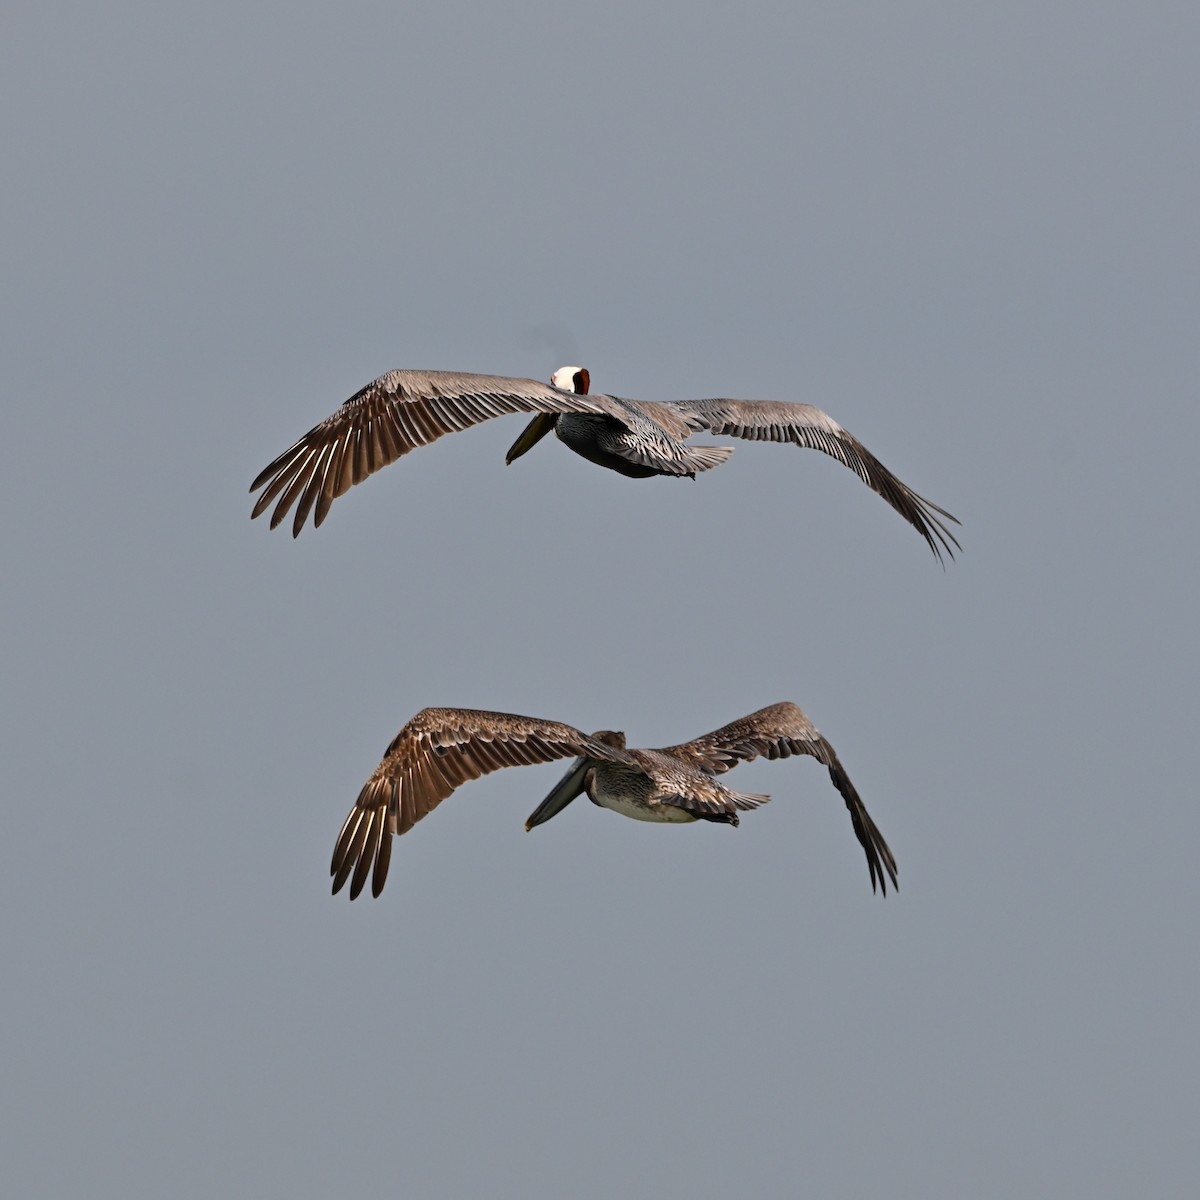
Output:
(638, 438)
(441, 748)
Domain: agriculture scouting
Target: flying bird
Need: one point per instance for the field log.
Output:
(442, 748)
(402, 410)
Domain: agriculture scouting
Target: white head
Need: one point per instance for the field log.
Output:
(572, 379)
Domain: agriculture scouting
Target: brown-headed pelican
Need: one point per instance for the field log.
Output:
(405, 409)
(441, 748)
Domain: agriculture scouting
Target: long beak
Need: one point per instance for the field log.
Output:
(569, 787)
(534, 432)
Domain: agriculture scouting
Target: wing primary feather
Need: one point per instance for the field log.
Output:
(366, 858)
(383, 858)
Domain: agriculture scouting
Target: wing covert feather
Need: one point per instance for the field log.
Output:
(779, 731)
(391, 416)
(436, 752)
(807, 426)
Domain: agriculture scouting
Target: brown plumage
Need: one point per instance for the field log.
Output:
(442, 748)
(402, 410)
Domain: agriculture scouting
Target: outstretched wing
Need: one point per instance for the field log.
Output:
(804, 425)
(439, 749)
(779, 731)
(396, 413)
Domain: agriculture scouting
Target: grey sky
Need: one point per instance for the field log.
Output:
(969, 233)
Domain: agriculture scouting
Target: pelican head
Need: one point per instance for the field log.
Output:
(610, 738)
(572, 379)
(574, 782)
(567, 379)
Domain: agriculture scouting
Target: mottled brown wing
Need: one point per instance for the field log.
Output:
(392, 415)
(779, 731)
(804, 425)
(439, 749)
(686, 786)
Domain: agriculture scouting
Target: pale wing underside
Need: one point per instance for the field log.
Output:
(436, 752)
(804, 425)
(779, 731)
(392, 415)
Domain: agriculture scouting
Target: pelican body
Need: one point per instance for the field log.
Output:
(629, 439)
(442, 748)
(402, 410)
(647, 787)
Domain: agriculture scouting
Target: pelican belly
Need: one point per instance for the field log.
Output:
(640, 809)
(595, 437)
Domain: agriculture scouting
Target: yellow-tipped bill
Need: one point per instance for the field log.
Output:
(534, 432)
(570, 786)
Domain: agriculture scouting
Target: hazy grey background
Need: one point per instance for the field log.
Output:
(969, 232)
